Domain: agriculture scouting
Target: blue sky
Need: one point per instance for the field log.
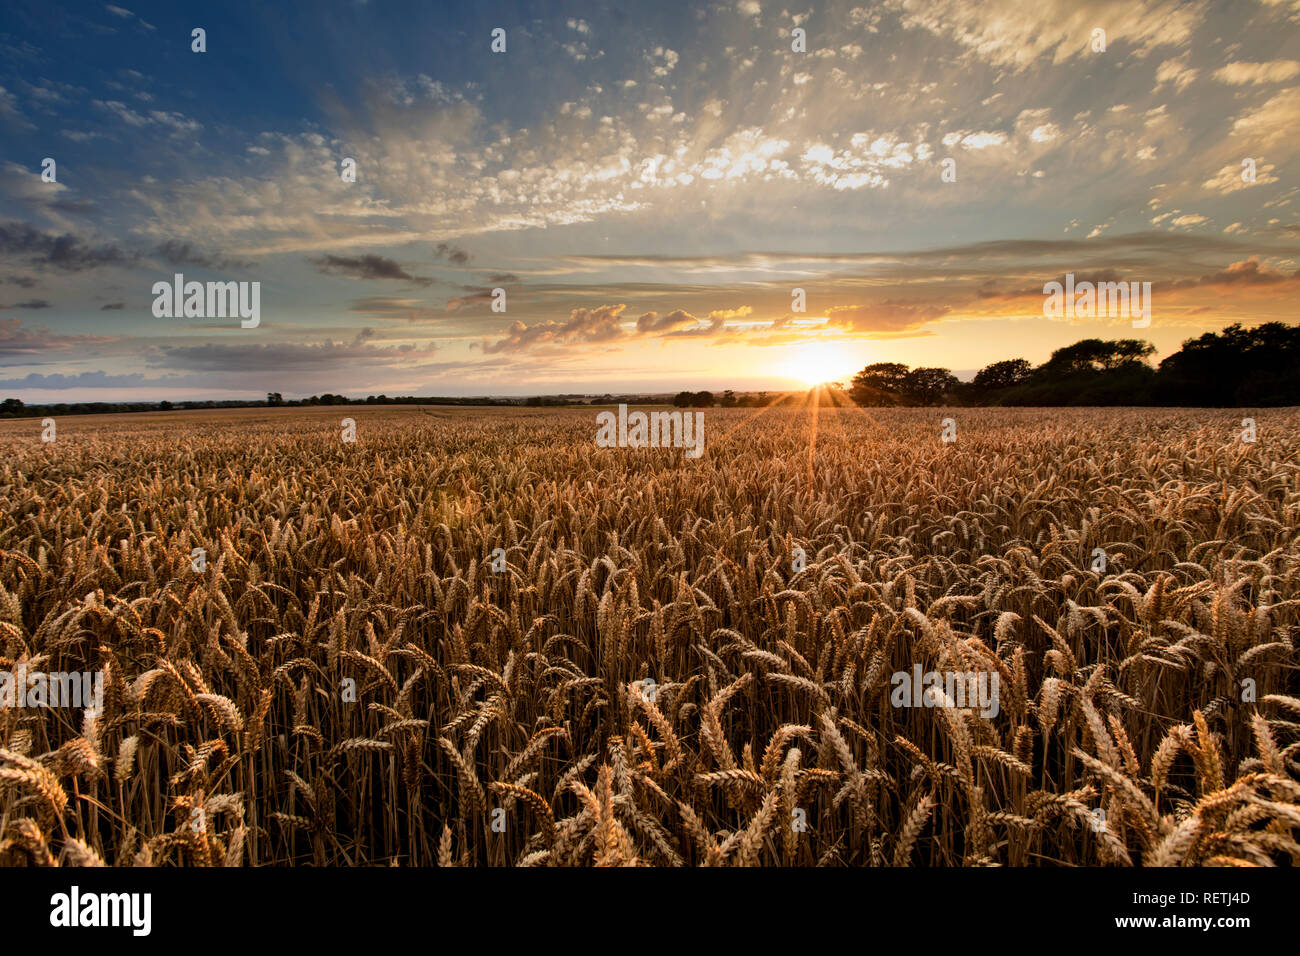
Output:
(647, 183)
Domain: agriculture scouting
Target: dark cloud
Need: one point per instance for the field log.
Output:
(177, 253)
(66, 252)
(1243, 273)
(456, 256)
(285, 356)
(29, 304)
(367, 267)
(112, 307)
(23, 282)
(501, 277)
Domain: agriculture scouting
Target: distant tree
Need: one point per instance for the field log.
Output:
(928, 386)
(274, 398)
(703, 400)
(165, 406)
(1005, 374)
(728, 399)
(11, 406)
(683, 399)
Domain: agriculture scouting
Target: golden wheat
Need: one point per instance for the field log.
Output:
(653, 679)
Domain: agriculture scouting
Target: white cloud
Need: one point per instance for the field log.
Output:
(1242, 74)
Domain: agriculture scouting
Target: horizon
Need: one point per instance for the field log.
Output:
(644, 191)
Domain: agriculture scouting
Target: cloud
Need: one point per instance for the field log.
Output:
(177, 253)
(30, 343)
(1243, 74)
(58, 380)
(457, 257)
(9, 111)
(891, 316)
(29, 304)
(392, 307)
(177, 124)
(286, 356)
(653, 322)
(1273, 122)
(66, 252)
(1175, 73)
(1228, 179)
(112, 307)
(367, 267)
(584, 326)
(1247, 272)
(1013, 34)
(476, 296)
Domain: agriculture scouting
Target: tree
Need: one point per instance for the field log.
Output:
(274, 398)
(1096, 355)
(728, 399)
(693, 400)
(880, 384)
(1005, 374)
(1236, 366)
(928, 386)
(11, 406)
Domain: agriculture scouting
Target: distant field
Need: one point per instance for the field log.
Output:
(679, 661)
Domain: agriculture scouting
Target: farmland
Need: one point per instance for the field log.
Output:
(314, 654)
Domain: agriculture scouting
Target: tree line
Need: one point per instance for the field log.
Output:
(1234, 367)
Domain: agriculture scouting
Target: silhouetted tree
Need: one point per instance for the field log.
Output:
(1096, 355)
(1005, 374)
(1235, 366)
(928, 386)
(880, 384)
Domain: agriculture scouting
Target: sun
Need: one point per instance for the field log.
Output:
(815, 363)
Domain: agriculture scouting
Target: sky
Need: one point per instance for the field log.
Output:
(647, 185)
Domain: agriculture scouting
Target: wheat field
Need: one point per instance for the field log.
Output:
(655, 678)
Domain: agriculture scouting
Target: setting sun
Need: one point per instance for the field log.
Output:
(818, 362)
